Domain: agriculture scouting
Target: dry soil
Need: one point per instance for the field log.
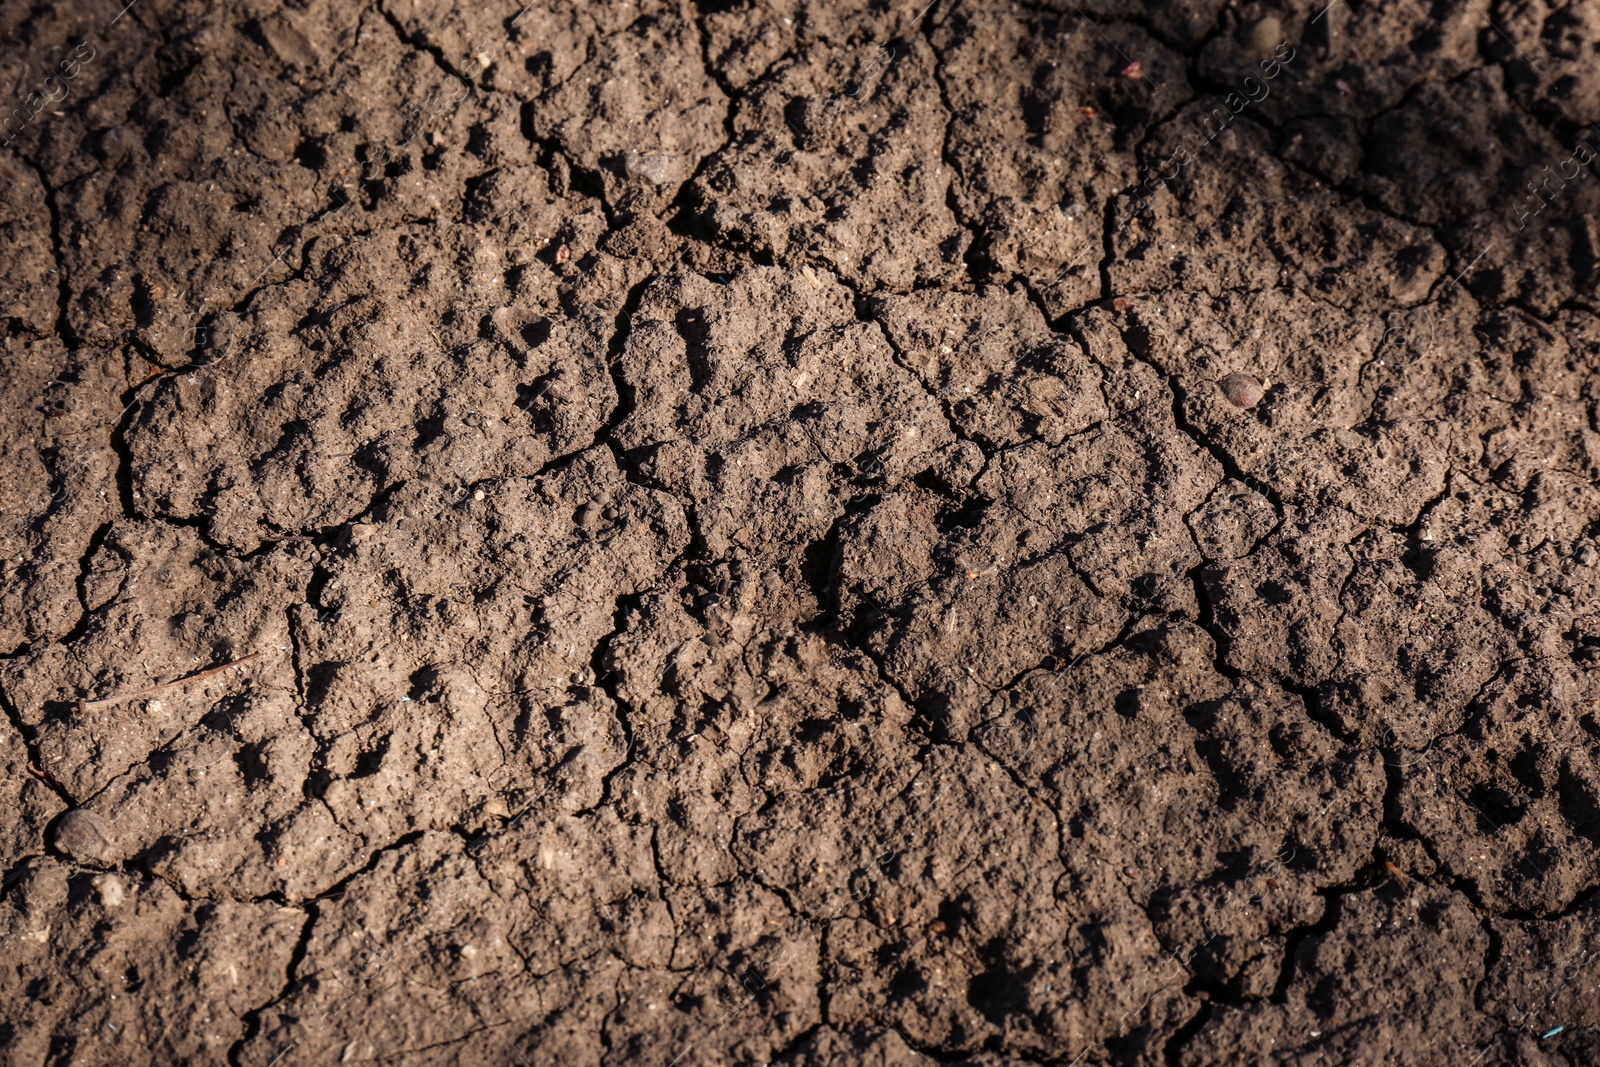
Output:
(800, 532)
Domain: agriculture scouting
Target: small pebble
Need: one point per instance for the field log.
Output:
(1263, 36)
(115, 144)
(109, 886)
(1242, 390)
(1131, 872)
(563, 254)
(477, 494)
(653, 167)
(81, 835)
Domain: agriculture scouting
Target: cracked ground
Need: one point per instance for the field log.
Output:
(800, 532)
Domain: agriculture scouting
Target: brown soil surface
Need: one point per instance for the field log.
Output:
(800, 532)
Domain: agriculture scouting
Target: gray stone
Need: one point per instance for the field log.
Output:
(83, 836)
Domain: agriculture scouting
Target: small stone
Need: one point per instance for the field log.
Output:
(477, 494)
(115, 144)
(563, 254)
(1263, 35)
(109, 886)
(81, 835)
(1131, 872)
(654, 167)
(1242, 390)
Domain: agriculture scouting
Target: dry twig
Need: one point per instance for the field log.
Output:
(84, 705)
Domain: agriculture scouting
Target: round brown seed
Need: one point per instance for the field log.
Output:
(1242, 390)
